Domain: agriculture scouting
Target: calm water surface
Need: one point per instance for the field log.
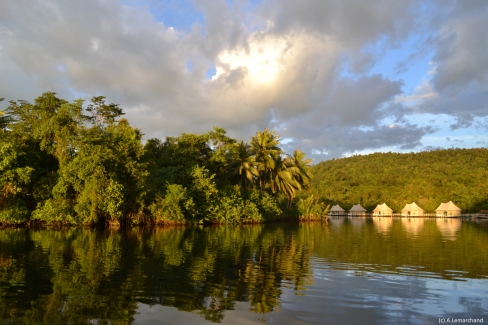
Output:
(345, 271)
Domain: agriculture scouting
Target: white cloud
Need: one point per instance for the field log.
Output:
(301, 67)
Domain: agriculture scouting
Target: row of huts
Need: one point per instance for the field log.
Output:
(448, 209)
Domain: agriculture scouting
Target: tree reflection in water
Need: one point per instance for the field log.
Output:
(100, 276)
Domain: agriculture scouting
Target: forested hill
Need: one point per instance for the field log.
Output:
(428, 178)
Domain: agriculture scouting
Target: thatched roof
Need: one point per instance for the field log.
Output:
(357, 208)
(337, 208)
(382, 207)
(412, 207)
(449, 206)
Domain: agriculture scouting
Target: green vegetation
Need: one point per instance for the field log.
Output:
(428, 178)
(63, 164)
(311, 208)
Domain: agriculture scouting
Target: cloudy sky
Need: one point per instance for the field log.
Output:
(332, 77)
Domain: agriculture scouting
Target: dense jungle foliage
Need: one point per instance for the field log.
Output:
(66, 164)
(428, 178)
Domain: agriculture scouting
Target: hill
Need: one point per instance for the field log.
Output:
(428, 178)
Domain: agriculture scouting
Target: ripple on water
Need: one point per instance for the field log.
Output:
(366, 270)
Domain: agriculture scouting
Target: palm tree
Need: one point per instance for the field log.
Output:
(301, 167)
(243, 163)
(282, 179)
(266, 150)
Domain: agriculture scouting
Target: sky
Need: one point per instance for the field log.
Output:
(333, 78)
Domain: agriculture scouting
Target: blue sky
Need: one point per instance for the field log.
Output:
(333, 78)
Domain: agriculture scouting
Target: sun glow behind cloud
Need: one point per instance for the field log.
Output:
(262, 60)
(266, 80)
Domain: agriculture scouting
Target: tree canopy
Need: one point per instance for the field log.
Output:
(65, 163)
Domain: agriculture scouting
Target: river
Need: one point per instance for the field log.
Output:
(344, 271)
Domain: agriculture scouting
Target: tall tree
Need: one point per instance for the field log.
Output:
(243, 163)
(301, 167)
(266, 148)
(282, 178)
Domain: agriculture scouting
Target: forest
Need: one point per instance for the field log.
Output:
(427, 178)
(83, 164)
(65, 163)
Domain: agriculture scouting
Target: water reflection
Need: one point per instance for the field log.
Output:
(336, 221)
(357, 222)
(286, 273)
(413, 226)
(383, 224)
(449, 227)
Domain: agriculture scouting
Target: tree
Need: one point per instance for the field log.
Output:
(282, 179)
(103, 114)
(50, 121)
(15, 180)
(218, 163)
(243, 163)
(301, 167)
(265, 146)
(103, 181)
(34, 146)
(79, 174)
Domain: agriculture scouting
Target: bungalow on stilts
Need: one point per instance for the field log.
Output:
(383, 210)
(336, 210)
(357, 210)
(412, 210)
(448, 209)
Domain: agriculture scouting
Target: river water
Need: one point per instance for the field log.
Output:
(345, 271)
